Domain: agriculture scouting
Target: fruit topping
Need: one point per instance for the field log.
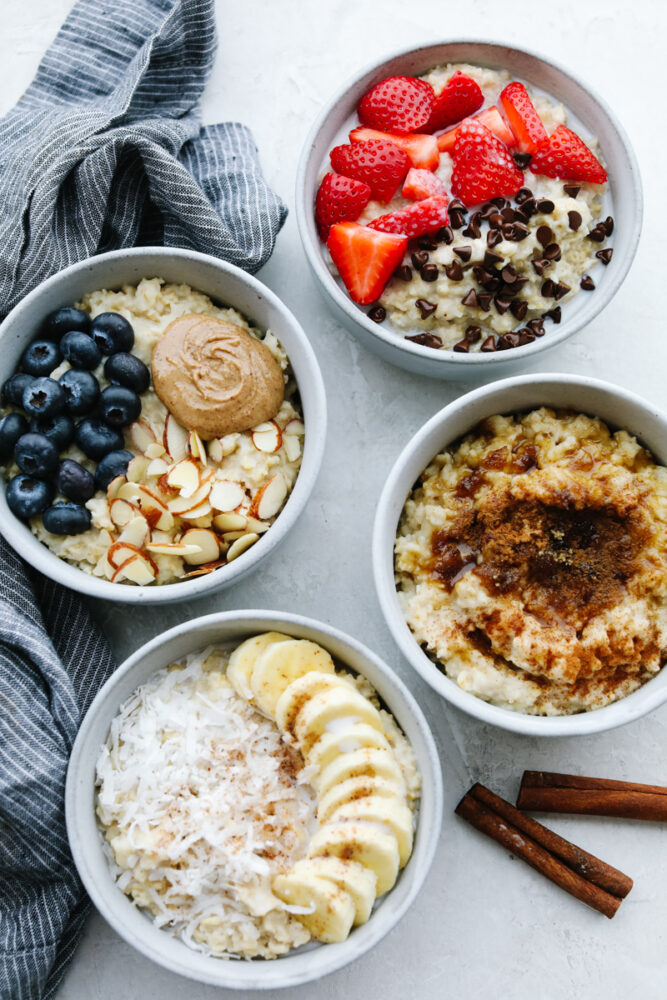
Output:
(40, 358)
(119, 406)
(66, 519)
(128, 370)
(36, 455)
(60, 322)
(14, 387)
(566, 156)
(422, 184)
(80, 350)
(421, 150)
(365, 258)
(27, 496)
(378, 163)
(59, 429)
(460, 97)
(43, 397)
(112, 333)
(491, 118)
(424, 216)
(398, 104)
(523, 119)
(12, 426)
(339, 199)
(75, 482)
(96, 439)
(81, 390)
(483, 166)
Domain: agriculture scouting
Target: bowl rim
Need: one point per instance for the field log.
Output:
(476, 362)
(640, 702)
(76, 579)
(331, 957)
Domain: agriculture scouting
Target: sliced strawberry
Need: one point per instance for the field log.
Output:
(365, 258)
(483, 166)
(522, 116)
(398, 104)
(460, 98)
(422, 150)
(492, 119)
(380, 164)
(422, 184)
(339, 199)
(423, 217)
(566, 156)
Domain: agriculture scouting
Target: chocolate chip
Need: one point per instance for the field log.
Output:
(548, 289)
(463, 253)
(525, 337)
(419, 259)
(473, 334)
(445, 235)
(605, 255)
(502, 304)
(480, 273)
(528, 208)
(496, 220)
(454, 271)
(462, 347)
(429, 272)
(522, 160)
(491, 259)
(536, 326)
(472, 230)
(494, 237)
(470, 299)
(488, 345)
(552, 252)
(540, 266)
(484, 301)
(561, 290)
(521, 215)
(545, 206)
(456, 205)
(515, 231)
(575, 220)
(608, 225)
(571, 189)
(487, 209)
(518, 308)
(378, 314)
(508, 214)
(499, 202)
(544, 235)
(427, 242)
(587, 283)
(403, 273)
(507, 341)
(523, 195)
(598, 234)
(425, 307)
(426, 340)
(555, 314)
(508, 274)
(456, 219)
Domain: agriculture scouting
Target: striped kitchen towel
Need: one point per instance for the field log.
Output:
(106, 149)
(52, 661)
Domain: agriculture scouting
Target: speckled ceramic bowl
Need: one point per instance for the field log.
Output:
(304, 964)
(587, 112)
(223, 283)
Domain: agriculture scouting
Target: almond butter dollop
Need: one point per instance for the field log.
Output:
(215, 377)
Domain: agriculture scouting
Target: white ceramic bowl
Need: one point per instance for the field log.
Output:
(313, 961)
(226, 284)
(617, 407)
(587, 112)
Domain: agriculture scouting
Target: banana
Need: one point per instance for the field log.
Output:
(296, 694)
(390, 812)
(279, 664)
(242, 660)
(350, 876)
(361, 841)
(334, 911)
(354, 790)
(332, 711)
(367, 761)
(329, 746)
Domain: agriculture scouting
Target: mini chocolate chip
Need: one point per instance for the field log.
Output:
(454, 271)
(525, 337)
(462, 347)
(597, 234)
(492, 284)
(464, 253)
(470, 299)
(472, 230)
(506, 342)
(426, 340)
(403, 273)
(496, 220)
(480, 274)
(378, 314)
(520, 231)
(518, 308)
(427, 242)
(608, 225)
(484, 301)
(429, 272)
(575, 220)
(545, 206)
(502, 304)
(491, 258)
(571, 189)
(552, 252)
(419, 258)
(456, 205)
(473, 334)
(499, 202)
(561, 290)
(508, 214)
(512, 338)
(508, 274)
(548, 289)
(587, 283)
(555, 314)
(523, 195)
(544, 235)
(425, 307)
(445, 235)
(540, 266)
(536, 326)
(489, 345)
(522, 160)
(494, 237)
(529, 207)
(487, 209)
(456, 219)
(605, 255)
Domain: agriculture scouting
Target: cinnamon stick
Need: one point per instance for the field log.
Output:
(561, 862)
(546, 791)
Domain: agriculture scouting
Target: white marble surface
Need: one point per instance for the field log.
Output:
(485, 925)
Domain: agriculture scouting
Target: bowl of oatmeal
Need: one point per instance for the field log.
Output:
(187, 427)
(520, 557)
(478, 293)
(253, 786)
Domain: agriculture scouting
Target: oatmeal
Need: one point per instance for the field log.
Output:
(531, 563)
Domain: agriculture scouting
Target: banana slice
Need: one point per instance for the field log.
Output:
(333, 909)
(242, 660)
(361, 841)
(347, 875)
(280, 664)
(332, 711)
(390, 812)
(329, 746)
(296, 694)
(367, 761)
(355, 789)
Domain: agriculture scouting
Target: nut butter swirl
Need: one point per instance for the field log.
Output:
(215, 377)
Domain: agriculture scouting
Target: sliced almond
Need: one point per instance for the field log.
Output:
(142, 436)
(269, 498)
(184, 476)
(114, 486)
(130, 492)
(203, 510)
(118, 573)
(230, 536)
(214, 449)
(181, 505)
(121, 512)
(226, 494)
(267, 437)
(175, 439)
(294, 426)
(197, 448)
(292, 446)
(172, 548)
(135, 531)
(136, 469)
(207, 543)
(230, 522)
(154, 510)
(139, 568)
(240, 546)
(120, 551)
(259, 527)
(203, 570)
(157, 467)
(154, 451)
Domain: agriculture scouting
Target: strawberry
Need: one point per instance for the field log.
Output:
(365, 258)
(422, 217)
(421, 149)
(522, 116)
(483, 166)
(491, 118)
(339, 199)
(460, 98)
(378, 163)
(398, 104)
(566, 156)
(422, 184)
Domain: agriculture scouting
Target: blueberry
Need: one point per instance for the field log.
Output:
(12, 390)
(112, 465)
(80, 350)
(126, 369)
(119, 406)
(81, 390)
(36, 455)
(40, 358)
(75, 482)
(66, 519)
(112, 333)
(62, 321)
(27, 496)
(44, 397)
(58, 429)
(12, 426)
(96, 439)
